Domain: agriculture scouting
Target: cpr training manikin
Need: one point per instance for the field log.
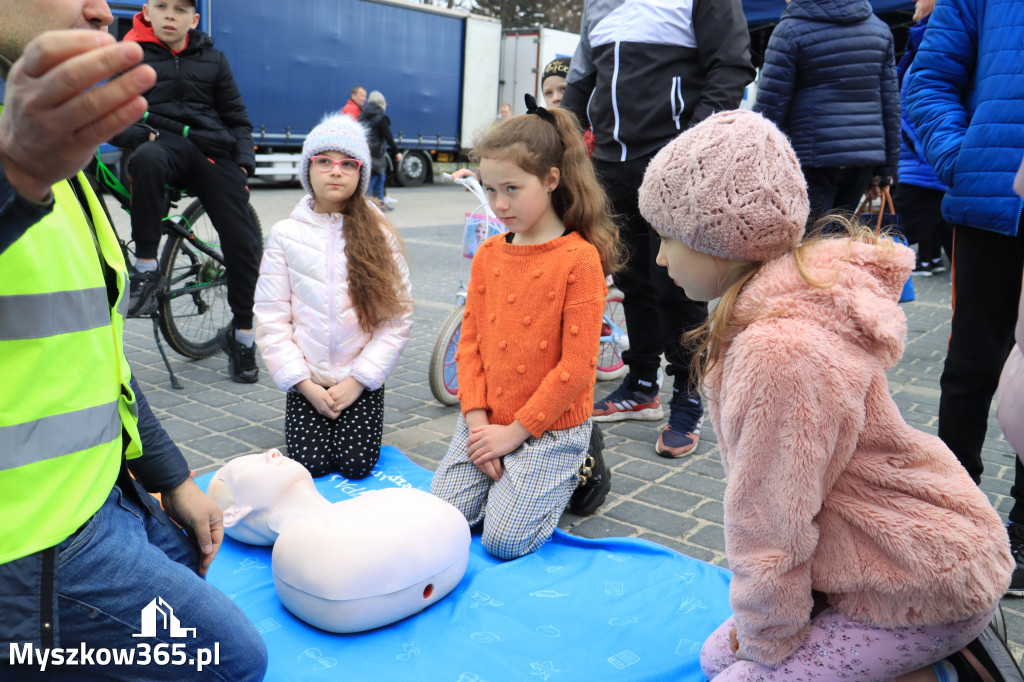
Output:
(345, 566)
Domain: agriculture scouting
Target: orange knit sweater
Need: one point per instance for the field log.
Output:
(531, 332)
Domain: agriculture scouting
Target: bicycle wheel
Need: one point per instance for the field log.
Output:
(194, 307)
(444, 378)
(609, 356)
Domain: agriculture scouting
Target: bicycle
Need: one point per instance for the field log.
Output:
(192, 305)
(442, 373)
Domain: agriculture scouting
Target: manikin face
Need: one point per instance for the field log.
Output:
(171, 20)
(333, 188)
(521, 200)
(248, 488)
(360, 97)
(554, 88)
(699, 275)
(23, 20)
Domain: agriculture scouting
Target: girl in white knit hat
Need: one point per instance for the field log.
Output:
(333, 307)
(860, 548)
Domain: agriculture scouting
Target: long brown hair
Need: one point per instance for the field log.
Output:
(537, 145)
(710, 337)
(374, 280)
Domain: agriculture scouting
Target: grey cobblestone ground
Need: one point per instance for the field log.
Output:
(676, 503)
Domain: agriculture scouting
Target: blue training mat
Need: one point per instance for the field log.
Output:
(577, 609)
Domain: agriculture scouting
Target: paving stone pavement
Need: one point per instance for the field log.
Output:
(676, 503)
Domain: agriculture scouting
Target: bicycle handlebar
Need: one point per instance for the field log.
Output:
(170, 125)
(473, 185)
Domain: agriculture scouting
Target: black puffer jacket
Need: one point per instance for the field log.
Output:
(196, 88)
(829, 82)
(378, 130)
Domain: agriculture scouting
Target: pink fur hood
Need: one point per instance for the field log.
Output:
(829, 489)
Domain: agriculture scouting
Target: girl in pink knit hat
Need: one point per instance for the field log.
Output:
(860, 548)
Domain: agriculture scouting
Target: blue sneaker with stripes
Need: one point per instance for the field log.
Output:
(685, 416)
(629, 403)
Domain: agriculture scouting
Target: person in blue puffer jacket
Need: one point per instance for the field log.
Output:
(918, 196)
(965, 96)
(829, 82)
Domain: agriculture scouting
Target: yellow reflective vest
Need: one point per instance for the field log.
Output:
(64, 394)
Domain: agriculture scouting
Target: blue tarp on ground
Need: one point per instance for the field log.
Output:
(610, 610)
(760, 12)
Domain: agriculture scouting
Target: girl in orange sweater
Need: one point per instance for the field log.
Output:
(530, 333)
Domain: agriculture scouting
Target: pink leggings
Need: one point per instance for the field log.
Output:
(838, 648)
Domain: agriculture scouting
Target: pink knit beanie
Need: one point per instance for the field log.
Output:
(730, 186)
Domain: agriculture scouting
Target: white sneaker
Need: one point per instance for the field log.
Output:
(389, 202)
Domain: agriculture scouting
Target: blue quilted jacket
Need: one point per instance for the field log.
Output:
(829, 82)
(965, 96)
(914, 166)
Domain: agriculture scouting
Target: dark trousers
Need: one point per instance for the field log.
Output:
(222, 187)
(835, 188)
(986, 288)
(657, 311)
(920, 210)
(349, 445)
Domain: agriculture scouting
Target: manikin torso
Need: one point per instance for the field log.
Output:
(345, 566)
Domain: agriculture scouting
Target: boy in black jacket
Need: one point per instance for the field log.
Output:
(195, 87)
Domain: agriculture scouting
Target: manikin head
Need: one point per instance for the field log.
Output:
(248, 488)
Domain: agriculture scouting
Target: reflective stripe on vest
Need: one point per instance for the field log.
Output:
(34, 316)
(59, 435)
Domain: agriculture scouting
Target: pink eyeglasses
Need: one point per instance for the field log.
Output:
(326, 164)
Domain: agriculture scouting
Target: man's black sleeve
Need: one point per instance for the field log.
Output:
(161, 466)
(723, 43)
(17, 213)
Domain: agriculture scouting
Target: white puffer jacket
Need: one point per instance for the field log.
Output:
(306, 325)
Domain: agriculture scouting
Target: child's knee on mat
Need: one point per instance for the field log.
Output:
(502, 541)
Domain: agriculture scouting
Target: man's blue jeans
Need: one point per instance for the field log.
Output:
(376, 188)
(113, 567)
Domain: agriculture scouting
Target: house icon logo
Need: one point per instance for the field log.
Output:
(160, 610)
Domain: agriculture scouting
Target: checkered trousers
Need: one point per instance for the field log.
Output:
(521, 509)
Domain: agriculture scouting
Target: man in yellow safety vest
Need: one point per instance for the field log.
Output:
(85, 553)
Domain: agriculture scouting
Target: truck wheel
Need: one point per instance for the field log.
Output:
(413, 170)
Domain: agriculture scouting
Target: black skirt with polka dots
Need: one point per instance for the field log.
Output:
(349, 445)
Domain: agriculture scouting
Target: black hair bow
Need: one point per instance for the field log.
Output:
(532, 108)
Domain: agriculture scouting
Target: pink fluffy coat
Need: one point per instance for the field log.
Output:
(829, 489)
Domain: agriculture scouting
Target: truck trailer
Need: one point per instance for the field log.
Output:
(296, 61)
(524, 54)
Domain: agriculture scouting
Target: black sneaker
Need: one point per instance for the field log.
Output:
(1016, 533)
(938, 266)
(142, 288)
(241, 359)
(595, 478)
(923, 269)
